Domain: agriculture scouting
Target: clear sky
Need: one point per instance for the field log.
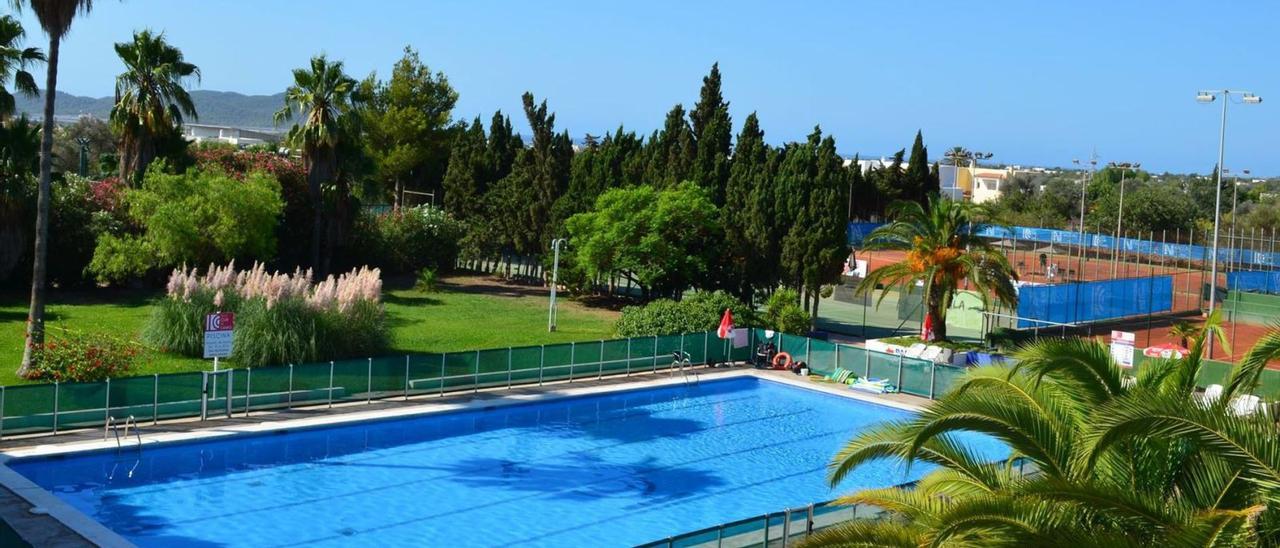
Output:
(1035, 82)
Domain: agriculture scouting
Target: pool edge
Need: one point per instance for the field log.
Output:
(99, 534)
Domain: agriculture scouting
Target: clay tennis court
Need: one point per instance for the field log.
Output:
(1188, 281)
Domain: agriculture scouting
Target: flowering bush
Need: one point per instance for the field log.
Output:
(280, 318)
(81, 358)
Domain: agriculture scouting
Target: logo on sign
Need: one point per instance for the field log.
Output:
(222, 321)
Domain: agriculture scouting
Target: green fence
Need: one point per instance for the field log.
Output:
(39, 408)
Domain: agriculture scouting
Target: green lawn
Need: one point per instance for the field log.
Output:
(456, 318)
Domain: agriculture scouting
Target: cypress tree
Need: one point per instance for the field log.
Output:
(746, 226)
(672, 153)
(466, 178)
(916, 181)
(712, 129)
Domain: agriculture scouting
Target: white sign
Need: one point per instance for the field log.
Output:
(1122, 347)
(218, 334)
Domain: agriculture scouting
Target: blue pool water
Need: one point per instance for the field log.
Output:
(610, 470)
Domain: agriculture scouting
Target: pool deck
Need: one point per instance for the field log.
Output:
(54, 523)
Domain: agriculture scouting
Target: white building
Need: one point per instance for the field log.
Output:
(240, 137)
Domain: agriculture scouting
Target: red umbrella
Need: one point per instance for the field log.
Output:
(726, 325)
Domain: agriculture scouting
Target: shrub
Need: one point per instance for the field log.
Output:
(784, 314)
(699, 312)
(408, 240)
(81, 358)
(197, 217)
(427, 280)
(280, 318)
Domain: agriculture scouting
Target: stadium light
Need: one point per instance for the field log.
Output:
(1208, 96)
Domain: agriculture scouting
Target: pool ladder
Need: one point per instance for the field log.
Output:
(684, 363)
(114, 426)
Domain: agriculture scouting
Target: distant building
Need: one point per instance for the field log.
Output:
(978, 184)
(240, 137)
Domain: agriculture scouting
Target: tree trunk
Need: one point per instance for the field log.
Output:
(399, 194)
(35, 317)
(813, 321)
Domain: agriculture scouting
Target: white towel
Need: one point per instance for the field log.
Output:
(741, 337)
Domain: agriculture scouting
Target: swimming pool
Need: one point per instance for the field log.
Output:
(608, 470)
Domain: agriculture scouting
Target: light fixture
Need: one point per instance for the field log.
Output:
(1204, 97)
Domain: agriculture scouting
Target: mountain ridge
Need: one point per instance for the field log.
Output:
(222, 108)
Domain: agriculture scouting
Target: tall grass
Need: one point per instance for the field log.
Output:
(280, 318)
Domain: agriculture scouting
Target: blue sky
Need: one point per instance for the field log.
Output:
(1037, 83)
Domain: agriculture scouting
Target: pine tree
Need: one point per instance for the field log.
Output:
(712, 128)
(504, 145)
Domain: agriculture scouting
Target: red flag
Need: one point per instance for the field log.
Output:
(926, 330)
(726, 325)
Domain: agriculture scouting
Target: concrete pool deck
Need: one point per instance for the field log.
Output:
(42, 519)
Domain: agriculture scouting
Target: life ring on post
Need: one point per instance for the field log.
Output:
(783, 357)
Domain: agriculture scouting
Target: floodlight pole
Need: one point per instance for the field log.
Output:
(1207, 97)
(1124, 168)
(555, 272)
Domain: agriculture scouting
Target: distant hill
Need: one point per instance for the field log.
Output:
(223, 108)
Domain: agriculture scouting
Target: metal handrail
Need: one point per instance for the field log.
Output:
(113, 426)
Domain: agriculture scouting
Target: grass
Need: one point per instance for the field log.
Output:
(461, 316)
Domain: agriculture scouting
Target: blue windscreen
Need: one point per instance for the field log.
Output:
(1255, 281)
(1084, 302)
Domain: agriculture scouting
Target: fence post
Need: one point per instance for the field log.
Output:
(866, 353)
(1, 412)
(331, 385)
(542, 362)
(600, 365)
(442, 355)
(55, 407)
(248, 388)
(509, 368)
(786, 526)
(406, 377)
(572, 357)
(155, 401)
(899, 372)
(204, 395)
(655, 354)
(705, 338)
(106, 410)
(475, 378)
(808, 525)
(230, 389)
(933, 373)
(368, 383)
(681, 348)
(289, 402)
(628, 366)
(808, 351)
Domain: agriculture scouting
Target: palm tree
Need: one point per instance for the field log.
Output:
(323, 95)
(14, 61)
(941, 253)
(55, 18)
(1184, 331)
(150, 98)
(1115, 461)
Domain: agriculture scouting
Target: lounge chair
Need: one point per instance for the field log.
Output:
(1212, 394)
(1245, 405)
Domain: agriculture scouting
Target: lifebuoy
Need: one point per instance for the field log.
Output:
(783, 357)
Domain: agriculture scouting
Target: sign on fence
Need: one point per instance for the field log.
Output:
(1122, 347)
(218, 334)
